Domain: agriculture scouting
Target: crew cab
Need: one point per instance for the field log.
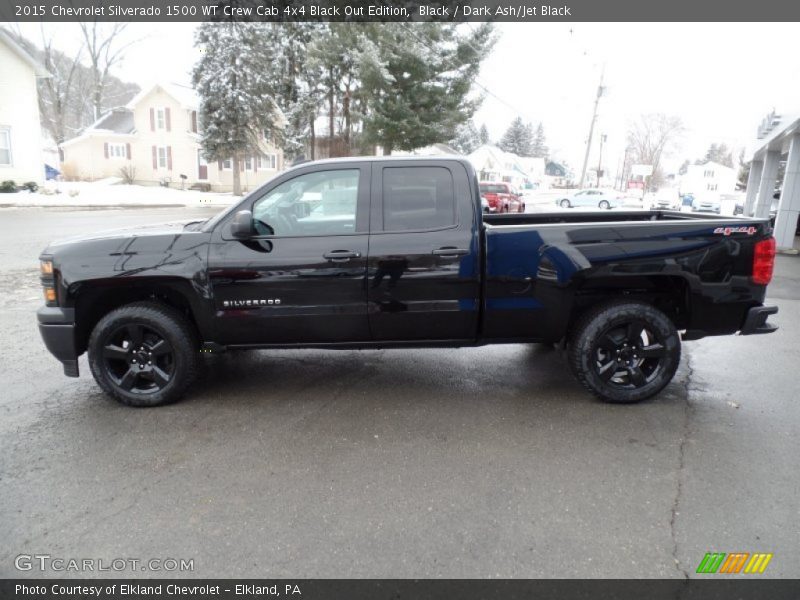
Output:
(501, 197)
(396, 252)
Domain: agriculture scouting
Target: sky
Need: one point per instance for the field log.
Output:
(720, 79)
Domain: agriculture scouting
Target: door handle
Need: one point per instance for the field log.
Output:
(341, 255)
(450, 252)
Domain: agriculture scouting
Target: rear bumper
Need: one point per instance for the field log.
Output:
(756, 320)
(57, 328)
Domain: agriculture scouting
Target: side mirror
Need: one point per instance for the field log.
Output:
(242, 224)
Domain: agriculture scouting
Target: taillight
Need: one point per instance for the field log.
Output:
(763, 261)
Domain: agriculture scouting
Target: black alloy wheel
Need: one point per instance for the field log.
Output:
(628, 355)
(144, 354)
(624, 351)
(138, 359)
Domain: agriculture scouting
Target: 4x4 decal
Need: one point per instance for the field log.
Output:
(729, 230)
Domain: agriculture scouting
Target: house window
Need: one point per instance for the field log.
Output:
(712, 187)
(708, 174)
(117, 151)
(5, 147)
(227, 164)
(267, 161)
(161, 118)
(248, 163)
(162, 157)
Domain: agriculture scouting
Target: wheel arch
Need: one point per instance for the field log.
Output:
(671, 294)
(94, 300)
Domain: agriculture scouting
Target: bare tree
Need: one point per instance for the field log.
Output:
(59, 93)
(651, 138)
(104, 50)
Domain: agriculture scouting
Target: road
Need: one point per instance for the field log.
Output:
(484, 462)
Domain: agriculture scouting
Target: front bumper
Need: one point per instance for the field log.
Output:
(756, 320)
(57, 328)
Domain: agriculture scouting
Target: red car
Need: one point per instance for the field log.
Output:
(501, 197)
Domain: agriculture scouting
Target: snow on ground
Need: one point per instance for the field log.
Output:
(110, 192)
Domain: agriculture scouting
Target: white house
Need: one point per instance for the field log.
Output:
(20, 129)
(156, 138)
(494, 164)
(708, 181)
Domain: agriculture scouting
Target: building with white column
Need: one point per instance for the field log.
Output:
(778, 140)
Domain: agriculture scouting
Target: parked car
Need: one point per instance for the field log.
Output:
(667, 200)
(591, 197)
(502, 197)
(707, 205)
(395, 253)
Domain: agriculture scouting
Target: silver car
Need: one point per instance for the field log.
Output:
(707, 206)
(593, 198)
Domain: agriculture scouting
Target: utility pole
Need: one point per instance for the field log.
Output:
(600, 90)
(603, 138)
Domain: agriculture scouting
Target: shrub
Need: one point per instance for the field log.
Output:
(128, 174)
(70, 172)
(31, 186)
(8, 187)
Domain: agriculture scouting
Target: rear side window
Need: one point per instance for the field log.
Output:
(418, 198)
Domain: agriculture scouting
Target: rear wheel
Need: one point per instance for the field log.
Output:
(144, 354)
(604, 204)
(624, 352)
(564, 203)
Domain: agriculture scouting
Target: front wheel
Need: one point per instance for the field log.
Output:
(564, 203)
(604, 204)
(144, 354)
(624, 352)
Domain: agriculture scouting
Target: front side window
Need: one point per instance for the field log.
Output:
(322, 203)
(417, 198)
(5, 146)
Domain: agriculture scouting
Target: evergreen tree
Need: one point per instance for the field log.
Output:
(237, 109)
(539, 144)
(418, 79)
(518, 138)
(483, 135)
(467, 138)
(336, 55)
(719, 153)
(295, 81)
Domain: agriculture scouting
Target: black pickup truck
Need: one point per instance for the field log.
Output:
(396, 252)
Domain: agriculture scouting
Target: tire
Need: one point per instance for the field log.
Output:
(564, 203)
(144, 354)
(521, 208)
(604, 204)
(624, 352)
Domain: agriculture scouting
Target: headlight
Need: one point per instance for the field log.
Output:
(46, 268)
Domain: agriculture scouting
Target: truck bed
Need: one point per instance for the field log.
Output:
(543, 267)
(601, 216)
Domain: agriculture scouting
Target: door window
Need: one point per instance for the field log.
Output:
(321, 203)
(416, 198)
